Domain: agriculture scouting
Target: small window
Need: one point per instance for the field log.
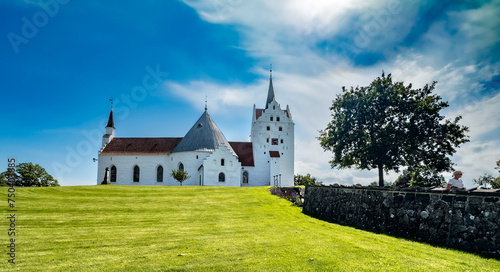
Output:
(113, 174)
(278, 118)
(274, 141)
(281, 129)
(222, 177)
(222, 162)
(181, 166)
(268, 128)
(274, 107)
(136, 173)
(271, 118)
(245, 177)
(281, 140)
(267, 140)
(159, 174)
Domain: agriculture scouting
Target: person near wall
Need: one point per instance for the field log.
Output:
(456, 181)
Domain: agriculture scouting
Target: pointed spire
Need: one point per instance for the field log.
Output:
(111, 122)
(270, 92)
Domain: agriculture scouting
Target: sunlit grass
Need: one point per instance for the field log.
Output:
(139, 228)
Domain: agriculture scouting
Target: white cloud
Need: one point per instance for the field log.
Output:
(284, 33)
(220, 98)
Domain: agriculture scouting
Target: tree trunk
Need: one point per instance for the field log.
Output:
(380, 175)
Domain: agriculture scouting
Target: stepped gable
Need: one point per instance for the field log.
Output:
(125, 146)
(270, 98)
(203, 136)
(258, 113)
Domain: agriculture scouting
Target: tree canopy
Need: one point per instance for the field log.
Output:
(304, 180)
(179, 175)
(489, 180)
(388, 125)
(29, 175)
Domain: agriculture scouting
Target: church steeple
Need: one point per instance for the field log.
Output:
(110, 128)
(270, 92)
(111, 122)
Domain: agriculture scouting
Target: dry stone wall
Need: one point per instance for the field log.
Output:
(467, 220)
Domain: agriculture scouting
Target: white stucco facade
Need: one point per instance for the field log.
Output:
(205, 154)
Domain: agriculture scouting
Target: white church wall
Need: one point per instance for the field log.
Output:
(125, 168)
(192, 160)
(212, 168)
(275, 173)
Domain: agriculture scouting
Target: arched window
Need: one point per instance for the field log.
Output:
(222, 162)
(278, 118)
(245, 177)
(136, 173)
(222, 177)
(181, 166)
(113, 174)
(281, 129)
(159, 174)
(271, 118)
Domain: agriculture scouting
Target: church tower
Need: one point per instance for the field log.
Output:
(272, 138)
(110, 129)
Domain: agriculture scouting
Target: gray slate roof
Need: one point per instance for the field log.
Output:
(203, 136)
(270, 92)
(111, 122)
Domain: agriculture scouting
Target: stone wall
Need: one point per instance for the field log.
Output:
(467, 220)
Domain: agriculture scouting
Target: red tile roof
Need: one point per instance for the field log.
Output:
(258, 113)
(123, 146)
(145, 146)
(274, 154)
(244, 150)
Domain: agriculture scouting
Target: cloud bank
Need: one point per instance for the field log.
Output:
(316, 48)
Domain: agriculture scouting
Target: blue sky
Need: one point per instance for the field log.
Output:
(61, 62)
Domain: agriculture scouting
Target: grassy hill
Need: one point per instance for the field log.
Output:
(139, 228)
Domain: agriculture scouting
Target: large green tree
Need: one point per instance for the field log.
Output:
(387, 125)
(29, 175)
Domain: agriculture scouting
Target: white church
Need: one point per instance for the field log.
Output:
(205, 154)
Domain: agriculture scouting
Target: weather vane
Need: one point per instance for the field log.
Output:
(205, 102)
(271, 70)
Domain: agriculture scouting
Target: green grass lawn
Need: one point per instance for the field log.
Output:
(139, 228)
